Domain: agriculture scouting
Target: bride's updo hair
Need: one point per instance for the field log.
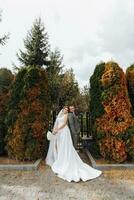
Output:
(66, 107)
(62, 108)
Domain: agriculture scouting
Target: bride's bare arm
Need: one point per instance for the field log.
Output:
(55, 127)
(64, 123)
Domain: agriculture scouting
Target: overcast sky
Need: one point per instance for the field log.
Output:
(85, 31)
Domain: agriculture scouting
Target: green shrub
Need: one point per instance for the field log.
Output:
(111, 111)
(130, 85)
(96, 107)
(28, 115)
(6, 79)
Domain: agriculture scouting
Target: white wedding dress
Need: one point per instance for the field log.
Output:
(64, 159)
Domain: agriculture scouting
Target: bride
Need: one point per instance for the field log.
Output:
(62, 156)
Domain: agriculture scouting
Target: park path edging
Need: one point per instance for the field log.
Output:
(25, 167)
(107, 166)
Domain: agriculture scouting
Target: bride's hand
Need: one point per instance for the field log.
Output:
(55, 131)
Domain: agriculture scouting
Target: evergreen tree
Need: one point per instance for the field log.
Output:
(36, 45)
(69, 89)
(96, 107)
(112, 122)
(4, 37)
(130, 85)
(6, 77)
(54, 71)
(27, 119)
(6, 80)
(84, 99)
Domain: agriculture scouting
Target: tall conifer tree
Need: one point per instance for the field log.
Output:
(4, 37)
(54, 71)
(36, 46)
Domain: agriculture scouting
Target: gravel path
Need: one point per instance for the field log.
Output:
(44, 185)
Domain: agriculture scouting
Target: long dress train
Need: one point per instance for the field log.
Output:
(64, 159)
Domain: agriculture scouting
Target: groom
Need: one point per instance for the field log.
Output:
(74, 125)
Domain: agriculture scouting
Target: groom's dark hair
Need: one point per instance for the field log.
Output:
(71, 105)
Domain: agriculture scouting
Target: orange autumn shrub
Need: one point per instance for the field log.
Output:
(112, 148)
(6, 79)
(26, 139)
(130, 85)
(114, 127)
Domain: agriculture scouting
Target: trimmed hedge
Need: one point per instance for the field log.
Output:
(114, 121)
(96, 89)
(6, 79)
(130, 85)
(28, 115)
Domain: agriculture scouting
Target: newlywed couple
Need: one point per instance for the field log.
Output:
(62, 156)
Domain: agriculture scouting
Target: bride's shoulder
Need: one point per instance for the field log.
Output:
(66, 114)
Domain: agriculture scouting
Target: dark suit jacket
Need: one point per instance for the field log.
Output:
(73, 124)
